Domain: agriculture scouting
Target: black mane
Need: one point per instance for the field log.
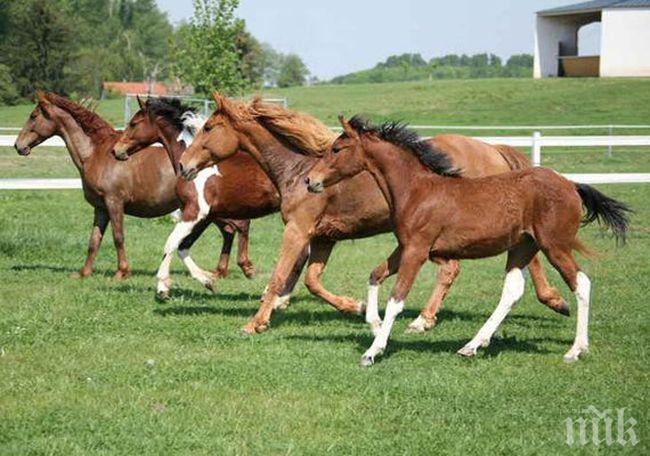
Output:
(171, 109)
(397, 133)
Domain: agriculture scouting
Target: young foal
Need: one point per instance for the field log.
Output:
(287, 144)
(436, 214)
(205, 199)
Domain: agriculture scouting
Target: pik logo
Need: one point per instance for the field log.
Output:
(606, 428)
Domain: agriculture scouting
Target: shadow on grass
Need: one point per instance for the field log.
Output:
(497, 346)
(71, 270)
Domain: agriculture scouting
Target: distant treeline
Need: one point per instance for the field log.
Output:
(412, 67)
(73, 46)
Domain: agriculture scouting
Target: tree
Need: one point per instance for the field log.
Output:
(8, 92)
(37, 45)
(293, 71)
(209, 59)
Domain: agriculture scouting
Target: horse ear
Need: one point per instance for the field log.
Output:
(347, 128)
(42, 99)
(140, 102)
(218, 99)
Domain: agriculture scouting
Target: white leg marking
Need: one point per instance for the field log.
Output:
(180, 232)
(372, 309)
(176, 215)
(420, 325)
(206, 278)
(281, 302)
(513, 289)
(393, 309)
(581, 343)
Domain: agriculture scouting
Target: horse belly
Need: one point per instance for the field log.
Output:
(476, 242)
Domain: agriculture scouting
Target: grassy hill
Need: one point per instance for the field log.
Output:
(453, 102)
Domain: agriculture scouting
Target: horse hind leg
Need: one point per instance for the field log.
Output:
(228, 235)
(206, 278)
(564, 261)
(243, 260)
(546, 294)
(513, 289)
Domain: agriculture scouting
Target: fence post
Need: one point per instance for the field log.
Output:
(205, 108)
(609, 146)
(127, 110)
(536, 150)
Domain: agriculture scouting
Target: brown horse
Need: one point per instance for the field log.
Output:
(143, 188)
(217, 194)
(287, 144)
(436, 214)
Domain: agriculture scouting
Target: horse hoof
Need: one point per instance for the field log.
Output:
(367, 361)
(281, 302)
(80, 275)
(574, 355)
(162, 295)
(248, 329)
(420, 325)
(249, 272)
(563, 309)
(467, 351)
(120, 275)
(220, 273)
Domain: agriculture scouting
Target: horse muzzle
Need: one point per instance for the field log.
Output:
(24, 151)
(120, 152)
(189, 174)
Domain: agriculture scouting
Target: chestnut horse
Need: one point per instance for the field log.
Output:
(143, 188)
(204, 200)
(287, 144)
(436, 214)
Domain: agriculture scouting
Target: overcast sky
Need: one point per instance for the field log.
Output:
(340, 36)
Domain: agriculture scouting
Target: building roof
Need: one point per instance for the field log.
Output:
(594, 6)
(156, 88)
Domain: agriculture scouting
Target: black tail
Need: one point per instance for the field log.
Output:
(608, 211)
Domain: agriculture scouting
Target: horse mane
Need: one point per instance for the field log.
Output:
(309, 135)
(90, 122)
(398, 134)
(192, 123)
(306, 132)
(172, 109)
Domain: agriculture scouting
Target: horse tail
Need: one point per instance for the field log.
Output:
(608, 211)
(514, 158)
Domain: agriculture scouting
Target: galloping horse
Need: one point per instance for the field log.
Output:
(143, 187)
(240, 189)
(436, 214)
(287, 144)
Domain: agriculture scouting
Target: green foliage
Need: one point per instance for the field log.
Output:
(8, 91)
(293, 71)
(209, 58)
(37, 45)
(412, 67)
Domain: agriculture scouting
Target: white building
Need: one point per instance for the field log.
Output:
(624, 39)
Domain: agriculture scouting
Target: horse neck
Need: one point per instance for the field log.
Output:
(281, 161)
(168, 135)
(397, 172)
(80, 145)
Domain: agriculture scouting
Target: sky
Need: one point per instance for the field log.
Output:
(335, 37)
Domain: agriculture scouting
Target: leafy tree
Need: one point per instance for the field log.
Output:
(293, 71)
(209, 58)
(8, 92)
(37, 45)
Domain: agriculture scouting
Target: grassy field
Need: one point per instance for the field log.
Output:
(99, 367)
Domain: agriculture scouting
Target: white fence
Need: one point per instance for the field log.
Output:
(536, 142)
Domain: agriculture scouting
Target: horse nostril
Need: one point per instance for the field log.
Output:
(307, 180)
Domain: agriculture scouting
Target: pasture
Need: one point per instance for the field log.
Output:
(96, 366)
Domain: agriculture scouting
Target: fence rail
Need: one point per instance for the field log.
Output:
(535, 142)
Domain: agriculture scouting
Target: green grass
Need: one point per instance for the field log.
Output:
(95, 366)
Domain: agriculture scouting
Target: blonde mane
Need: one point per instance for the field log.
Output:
(306, 132)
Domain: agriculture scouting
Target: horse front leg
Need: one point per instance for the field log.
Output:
(546, 294)
(447, 273)
(116, 214)
(100, 223)
(384, 270)
(320, 253)
(411, 261)
(294, 241)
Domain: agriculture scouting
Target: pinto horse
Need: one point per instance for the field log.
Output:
(142, 188)
(436, 214)
(287, 144)
(216, 194)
